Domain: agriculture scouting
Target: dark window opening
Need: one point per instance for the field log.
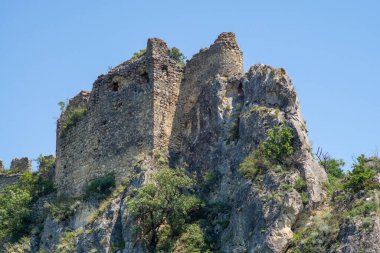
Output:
(240, 90)
(114, 86)
(164, 68)
(145, 77)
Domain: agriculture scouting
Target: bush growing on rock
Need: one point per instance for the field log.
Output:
(73, 116)
(275, 150)
(361, 177)
(175, 54)
(101, 186)
(138, 55)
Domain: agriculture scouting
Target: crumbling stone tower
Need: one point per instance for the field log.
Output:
(20, 165)
(129, 111)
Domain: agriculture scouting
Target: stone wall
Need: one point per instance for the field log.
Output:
(129, 112)
(20, 165)
(6, 180)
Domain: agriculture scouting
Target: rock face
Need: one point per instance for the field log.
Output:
(222, 116)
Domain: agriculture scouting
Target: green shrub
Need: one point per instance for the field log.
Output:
(333, 167)
(23, 246)
(317, 236)
(45, 164)
(367, 224)
(15, 204)
(274, 151)
(15, 212)
(304, 197)
(175, 54)
(69, 241)
(165, 201)
(361, 177)
(102, 186)
(35, 185)
(138, 55)
(362, 208)
(279, 144)
(62, 106)
(72, 117)
(300, 185)
(191, 240)
(62, 208)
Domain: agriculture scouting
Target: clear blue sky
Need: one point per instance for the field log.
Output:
(50, 50)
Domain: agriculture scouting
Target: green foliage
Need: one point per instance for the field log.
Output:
(304, 197)
(209, 180)
(362, 208)
(274, 151)
(68, 241)
(45, 163)
(175, 54)
(62, 208)
(333, 167)
(23, 246)
(62, 106)
(300, 185)
(72, 117)
(138, 55)
(317, 236)
(361, 177)
(15, 204)
(279, 144)
(191, 240)
(35, 185)
(14, 211)
(165, 201)
(102, 186)
(367, 224)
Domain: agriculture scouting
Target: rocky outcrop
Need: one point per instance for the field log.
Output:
(208, 117)
(221, 116)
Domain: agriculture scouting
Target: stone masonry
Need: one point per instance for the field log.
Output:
(20, 165)
(6, 180)
(129, 112)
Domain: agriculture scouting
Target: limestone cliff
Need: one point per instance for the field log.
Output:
(208, 117)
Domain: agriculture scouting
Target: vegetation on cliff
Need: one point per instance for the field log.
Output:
(16, 205)
(352, 200)
(275, 150)
(163, 211)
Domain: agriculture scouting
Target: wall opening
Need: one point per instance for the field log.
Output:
(114, 86)
(145, 77)
(240, 90)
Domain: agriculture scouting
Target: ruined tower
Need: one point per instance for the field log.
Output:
(128, 112)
